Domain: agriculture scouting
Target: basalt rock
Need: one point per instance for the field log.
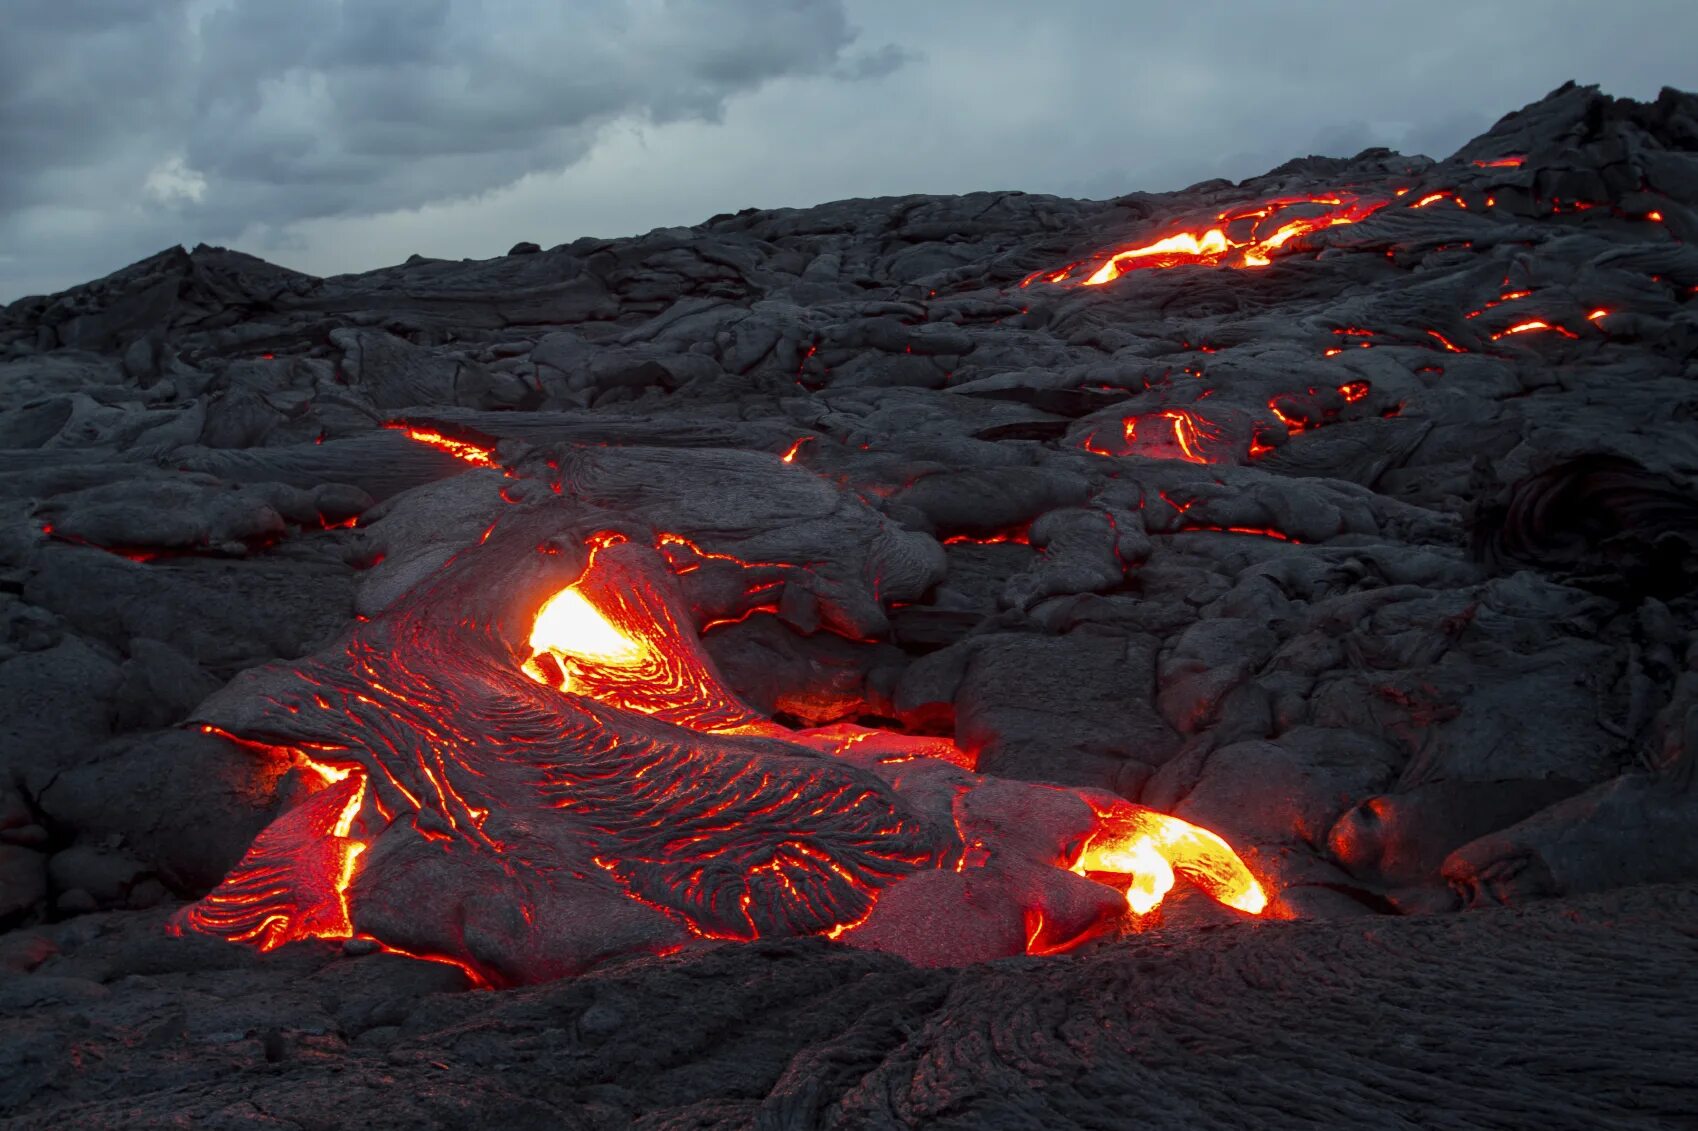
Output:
(1346, 512)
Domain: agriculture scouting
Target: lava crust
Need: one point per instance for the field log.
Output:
(748, 649)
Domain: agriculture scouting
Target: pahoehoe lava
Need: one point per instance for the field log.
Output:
(796, 667)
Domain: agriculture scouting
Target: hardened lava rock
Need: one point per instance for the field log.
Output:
(527, 767)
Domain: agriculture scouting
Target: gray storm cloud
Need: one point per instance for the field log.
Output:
(126, 127)
(320, 107)
(217, 116)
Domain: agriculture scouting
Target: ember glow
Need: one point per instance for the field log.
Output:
(1434, 197)
(1173, 433)
(598, 766)
(1020, 535)
(459, 449)
(1243, 238)
(1188, 431)
(1507, 296)
(1532, 326)
(1257, 531)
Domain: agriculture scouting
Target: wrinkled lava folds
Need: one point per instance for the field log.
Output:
(529, 765)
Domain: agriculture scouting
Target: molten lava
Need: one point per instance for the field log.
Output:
(1019, 535)
(569, 628)
(1244, 238)
(524, 788)
(1150, 847)
(1172, 433)
(1533, 325)
(460, 449)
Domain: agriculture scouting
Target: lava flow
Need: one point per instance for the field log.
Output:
(474, 454)
(1173, 433)
(529, 765)
(1238, 239)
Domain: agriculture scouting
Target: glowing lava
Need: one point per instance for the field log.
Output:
(1507, 296)
(1150, 847)
(1533, 325)
(571, 629)
(1239, 239)
(1019, 535)
(526, 786)
(460, 449)
(1434, 197)
(1173, 433)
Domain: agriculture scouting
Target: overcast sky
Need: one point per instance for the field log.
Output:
(344, 135)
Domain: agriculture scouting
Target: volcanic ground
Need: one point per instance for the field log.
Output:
(916, 545)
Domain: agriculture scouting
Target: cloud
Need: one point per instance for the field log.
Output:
(208, 116)
(875, 64)
(173, 182)
(340, 135)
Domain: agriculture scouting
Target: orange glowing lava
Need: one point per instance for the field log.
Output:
(1020, 535)
(491, 799)
(300, 892)
(1532, 326)
(1258, 531)
(1150, 847)
(1507, 296)
(1510, 162)
(1239, 239)
(1173, 433)
(573, 631)
(459, 449)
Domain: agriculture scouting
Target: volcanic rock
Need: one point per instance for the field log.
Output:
(1358, 530)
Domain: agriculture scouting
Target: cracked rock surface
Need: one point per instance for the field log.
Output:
(1378, 560)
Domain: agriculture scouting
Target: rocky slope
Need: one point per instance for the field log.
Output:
(1376, 557)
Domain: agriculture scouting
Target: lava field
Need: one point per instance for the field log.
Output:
(1225, 657)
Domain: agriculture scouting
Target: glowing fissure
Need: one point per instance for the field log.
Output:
(1238, 239)
(1019, 535)
(1258, 531)
(473, 454)
(1435, 197)
(1507, 296)
(1172, 433)
(1533, 325)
